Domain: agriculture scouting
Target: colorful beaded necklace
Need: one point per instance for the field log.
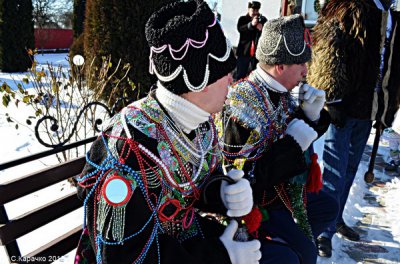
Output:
(251, 106)
(172, 177)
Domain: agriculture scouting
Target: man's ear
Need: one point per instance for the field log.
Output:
(279, 68)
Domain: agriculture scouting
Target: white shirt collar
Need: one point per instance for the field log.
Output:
(272, 84)
(185, 114)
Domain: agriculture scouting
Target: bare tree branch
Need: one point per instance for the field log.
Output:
(52, 13)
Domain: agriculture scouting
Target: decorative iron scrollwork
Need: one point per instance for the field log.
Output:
(54, 127)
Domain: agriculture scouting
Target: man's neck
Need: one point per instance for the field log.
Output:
(269, 77)
(186, 114)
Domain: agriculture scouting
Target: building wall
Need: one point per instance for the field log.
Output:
(51, 38)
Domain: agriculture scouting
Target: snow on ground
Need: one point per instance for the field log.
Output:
(17, 143)
(372, 209)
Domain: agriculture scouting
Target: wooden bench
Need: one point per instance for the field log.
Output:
(12, 229)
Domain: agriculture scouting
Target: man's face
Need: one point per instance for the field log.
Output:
(293, 74)
(253, 12)
(216, 94)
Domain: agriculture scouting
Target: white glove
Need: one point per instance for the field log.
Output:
(302, 133)
(313, 101)
(240, 252)
(237, 197)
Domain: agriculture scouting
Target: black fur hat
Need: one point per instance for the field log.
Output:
(254, 5)
(284, 40)
(188, 49)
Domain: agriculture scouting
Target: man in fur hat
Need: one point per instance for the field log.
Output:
(249, 27)
(152, 170)
(268, 135)
(347, 54)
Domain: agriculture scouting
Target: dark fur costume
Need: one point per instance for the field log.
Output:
(348, 39)
(391, 76)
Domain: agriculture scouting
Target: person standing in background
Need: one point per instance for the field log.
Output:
(350, 41)
(249, 27)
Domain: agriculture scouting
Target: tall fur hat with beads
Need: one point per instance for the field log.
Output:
(284, 40)
(188, 49)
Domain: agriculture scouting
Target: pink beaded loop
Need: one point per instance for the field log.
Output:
(185, 223)
(189, 42)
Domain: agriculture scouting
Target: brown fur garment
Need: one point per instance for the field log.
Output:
(346, 54)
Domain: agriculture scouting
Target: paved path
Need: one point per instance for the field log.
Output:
(376, 215)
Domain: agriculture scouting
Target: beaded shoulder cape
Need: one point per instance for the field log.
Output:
(169, 179)
(251, 106)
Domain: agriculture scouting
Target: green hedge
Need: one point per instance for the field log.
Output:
(118, 30)
(16, 35)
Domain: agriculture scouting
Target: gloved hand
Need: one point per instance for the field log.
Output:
(302, 133)
(237, 197)
(313, 101)
(240, 252)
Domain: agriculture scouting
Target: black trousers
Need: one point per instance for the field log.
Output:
(296, 246)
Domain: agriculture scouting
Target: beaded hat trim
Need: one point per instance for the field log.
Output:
(195, 44)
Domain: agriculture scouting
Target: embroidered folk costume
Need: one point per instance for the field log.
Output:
(254, 129)
(260, 115)
(165, 170)
(144, 181)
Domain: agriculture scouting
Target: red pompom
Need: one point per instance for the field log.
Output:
(314, 179)
(253, 220)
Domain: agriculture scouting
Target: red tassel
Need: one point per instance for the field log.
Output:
(253, 220)
(252, 49)
(314, 179)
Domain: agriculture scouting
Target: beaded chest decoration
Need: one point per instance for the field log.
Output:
(169, 179)
(251, 107)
